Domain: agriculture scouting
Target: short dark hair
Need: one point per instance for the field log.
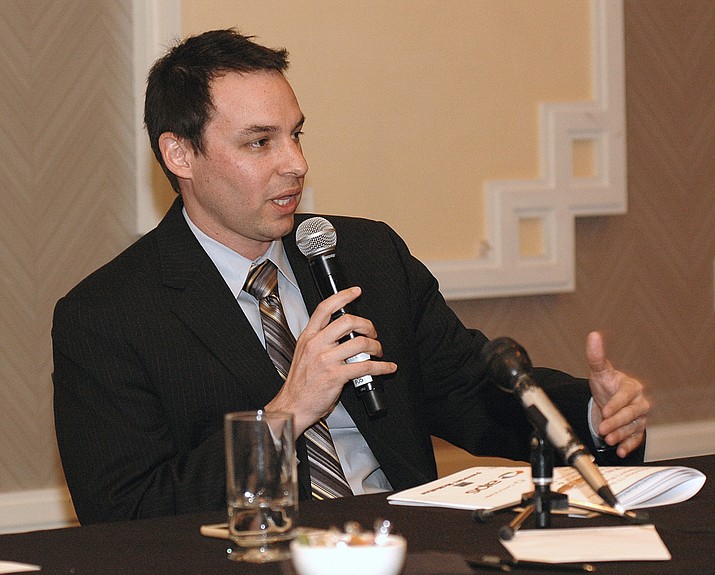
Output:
(178, 96)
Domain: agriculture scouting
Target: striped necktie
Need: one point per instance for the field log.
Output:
(327, 480)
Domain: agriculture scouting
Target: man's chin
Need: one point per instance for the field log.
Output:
(285, 225)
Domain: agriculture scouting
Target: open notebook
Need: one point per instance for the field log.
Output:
(491, 487)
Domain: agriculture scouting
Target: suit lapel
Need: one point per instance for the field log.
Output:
(378, 433)
(205, 304)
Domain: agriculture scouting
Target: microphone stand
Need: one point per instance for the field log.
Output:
(541, 501)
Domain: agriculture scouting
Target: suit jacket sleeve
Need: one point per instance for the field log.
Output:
(122, 456)
(150, 352)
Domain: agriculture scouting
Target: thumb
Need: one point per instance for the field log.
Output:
(595, 353)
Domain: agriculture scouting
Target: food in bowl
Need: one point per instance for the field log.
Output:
(329, 552)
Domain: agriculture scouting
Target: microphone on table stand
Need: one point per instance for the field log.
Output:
(510, 367)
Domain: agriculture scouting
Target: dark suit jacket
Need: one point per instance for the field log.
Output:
(152, 350)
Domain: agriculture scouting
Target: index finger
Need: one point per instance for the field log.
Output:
(329, 306)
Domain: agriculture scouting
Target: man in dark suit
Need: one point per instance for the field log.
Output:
(155, 347)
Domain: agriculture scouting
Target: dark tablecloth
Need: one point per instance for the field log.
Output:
(437, 539)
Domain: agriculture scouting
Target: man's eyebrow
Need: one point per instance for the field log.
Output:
(258, 129)
(261, 129)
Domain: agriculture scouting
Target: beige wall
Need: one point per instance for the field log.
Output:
(403, 126)
(66, 197)
(411, 105)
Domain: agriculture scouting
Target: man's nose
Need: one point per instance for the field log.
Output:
(294, 162)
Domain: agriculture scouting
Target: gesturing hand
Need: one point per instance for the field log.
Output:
(620, 417)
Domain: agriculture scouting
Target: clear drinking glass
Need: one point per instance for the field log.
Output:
(261, 485)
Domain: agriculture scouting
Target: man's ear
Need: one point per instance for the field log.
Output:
(176, 153)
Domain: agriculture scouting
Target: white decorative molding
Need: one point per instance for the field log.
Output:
(157, 25)
(558, 197)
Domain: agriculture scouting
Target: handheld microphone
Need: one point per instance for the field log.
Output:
(316, 239)
(510, 367)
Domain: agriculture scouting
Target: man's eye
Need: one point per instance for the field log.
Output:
(263, 142)
(297, 135)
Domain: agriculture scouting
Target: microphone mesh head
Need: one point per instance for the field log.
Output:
(315, 236)
(506, 361)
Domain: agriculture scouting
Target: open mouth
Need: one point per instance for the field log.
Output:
(291, 198)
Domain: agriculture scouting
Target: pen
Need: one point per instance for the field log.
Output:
(637, 517)
(508, 565)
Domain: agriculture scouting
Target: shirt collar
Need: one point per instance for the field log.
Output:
(232, 266)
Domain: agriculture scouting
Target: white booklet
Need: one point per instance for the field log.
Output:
(491, 487)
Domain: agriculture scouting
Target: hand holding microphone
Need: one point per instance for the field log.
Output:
(317, 239)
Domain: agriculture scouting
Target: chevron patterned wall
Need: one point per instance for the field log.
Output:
(66, 187)
(646, 278)
(67, 205)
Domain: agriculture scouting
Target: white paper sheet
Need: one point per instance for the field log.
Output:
(588, 544)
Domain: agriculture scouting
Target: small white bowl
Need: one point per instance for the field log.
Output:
(387, 558)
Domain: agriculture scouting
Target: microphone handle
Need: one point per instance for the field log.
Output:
(329, 278)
